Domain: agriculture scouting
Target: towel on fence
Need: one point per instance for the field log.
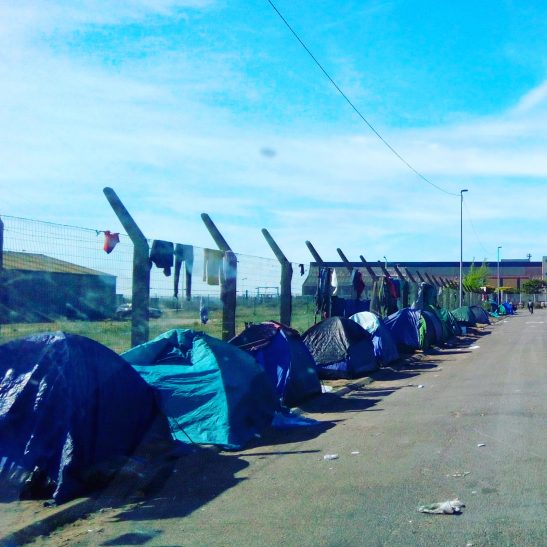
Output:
(212, 262)
(184, 253)
(161, 255)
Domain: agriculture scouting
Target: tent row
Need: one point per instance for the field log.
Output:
(71, 409)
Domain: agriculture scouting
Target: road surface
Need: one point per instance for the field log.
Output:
(476, 431)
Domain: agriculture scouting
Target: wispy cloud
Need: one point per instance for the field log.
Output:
(153, 131)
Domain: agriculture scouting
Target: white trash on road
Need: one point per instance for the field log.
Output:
(443, 508)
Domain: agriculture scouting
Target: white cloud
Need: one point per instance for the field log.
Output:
(69, 127)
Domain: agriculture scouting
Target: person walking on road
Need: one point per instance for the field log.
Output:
(530, 306)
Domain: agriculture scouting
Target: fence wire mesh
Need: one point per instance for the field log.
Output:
(66, 281)
(59, 277)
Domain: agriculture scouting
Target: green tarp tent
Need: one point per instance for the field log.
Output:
(212, 392)
(464, 316)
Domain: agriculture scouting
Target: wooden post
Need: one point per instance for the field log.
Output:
(410, 276)
(404, 287)
(285, 303)
(383, 268)
(228, 286)
(320, 264)
(349, 268)
(314, 253)
(370, 271)
(429, 280)
(420, 277)
(435, 281)
(140, 298)
(399, 273)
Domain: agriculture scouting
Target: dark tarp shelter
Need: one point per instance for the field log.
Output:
(385, 348)
(427, 296)
(464, 316)
(480, 315)
(341, 348)
(211, 391)
(69, 405)
(434, 327)
(285, 358)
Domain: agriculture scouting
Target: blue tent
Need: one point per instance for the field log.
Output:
(408, 328)
(211, 391)
(341, 348)
(69, 405)
(285, 358)
(385, 348)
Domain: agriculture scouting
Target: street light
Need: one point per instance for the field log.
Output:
(461, 243)
(499, 247)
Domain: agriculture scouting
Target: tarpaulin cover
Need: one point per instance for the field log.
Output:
(68, 404)
(480, 315)
(385, 348)
(405, 326)
(285, 358)
(211, 391)
(465, 316)
(434, 327)
(341, 348)
(450, 322)
(508, 308)
(368, 320)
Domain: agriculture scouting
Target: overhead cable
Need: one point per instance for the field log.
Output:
(357, 111)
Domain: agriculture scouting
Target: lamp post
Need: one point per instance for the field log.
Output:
(498, 285)
(461, 244)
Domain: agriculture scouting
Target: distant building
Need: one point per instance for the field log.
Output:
(512, 272)
(39, 288)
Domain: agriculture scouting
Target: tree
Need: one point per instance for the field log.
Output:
(476, 277)
(533, 286)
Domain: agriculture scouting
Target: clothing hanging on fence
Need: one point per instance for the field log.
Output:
(184, 253)
(391, 287)
(110, 241)
(228, 275)
(212, 262)
(161, 255)
(334, 282)
(357, 282)
(323, 293)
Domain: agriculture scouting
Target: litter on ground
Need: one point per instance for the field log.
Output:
(449, 507)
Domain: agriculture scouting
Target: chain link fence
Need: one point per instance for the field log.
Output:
(59, 277)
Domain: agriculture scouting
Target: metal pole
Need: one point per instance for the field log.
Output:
(461, 245)
(498, 285)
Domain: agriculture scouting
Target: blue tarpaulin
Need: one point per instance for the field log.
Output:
(69, 404)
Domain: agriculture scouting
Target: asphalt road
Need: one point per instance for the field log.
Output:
(398, 446)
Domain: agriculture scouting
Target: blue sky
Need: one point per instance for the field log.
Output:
(212, 106)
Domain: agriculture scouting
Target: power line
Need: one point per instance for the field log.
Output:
(475, 231)
(357, 111)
